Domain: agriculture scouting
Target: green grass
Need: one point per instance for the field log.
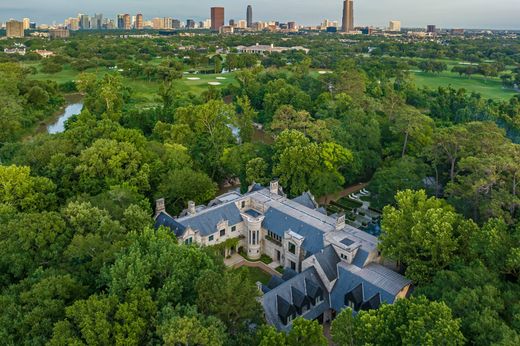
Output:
(256, 274)
(490, 88)
(144, 91)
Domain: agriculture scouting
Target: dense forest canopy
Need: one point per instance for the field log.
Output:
(82, 264)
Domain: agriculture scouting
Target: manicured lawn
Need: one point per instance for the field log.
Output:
(144, 91)
(256, 274)
(490, 88)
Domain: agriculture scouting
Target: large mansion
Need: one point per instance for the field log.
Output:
(329, 264)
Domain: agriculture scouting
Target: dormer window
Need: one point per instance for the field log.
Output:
(222, 232)
(292, 248)
(318, 300)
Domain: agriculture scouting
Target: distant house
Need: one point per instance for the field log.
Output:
(44, 53)
(329, 265)
(267, 49)
(16, 50)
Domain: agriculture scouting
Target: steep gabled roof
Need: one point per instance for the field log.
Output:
(284, 308)
(207, 220)
(299, 298)
(166, 220)
(307, 200)
(373, 303)
(374, 278)
(328, 260)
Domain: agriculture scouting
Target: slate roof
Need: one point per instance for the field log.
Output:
(206, 221)
(288, 274)
(306, 200)
(307, 282)
(375, 279)
(274, 282)
(252, 212)
(166, 220)
(328, 260)
(278, 222)
(361, 258)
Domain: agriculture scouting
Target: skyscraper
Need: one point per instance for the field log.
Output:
(395, 26)
(120, 21)
(127, 22)
(249, 16)
(217, 18)
(26, 23)
(14, 29)
(139, 21)
(96, 22)
(348, 16)
(84, 22)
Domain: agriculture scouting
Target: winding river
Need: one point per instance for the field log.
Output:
(59, 125)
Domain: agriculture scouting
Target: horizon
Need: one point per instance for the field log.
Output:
(467, 14)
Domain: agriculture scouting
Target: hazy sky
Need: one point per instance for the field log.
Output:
(499, 14)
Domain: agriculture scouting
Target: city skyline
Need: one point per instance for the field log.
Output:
(444, 13)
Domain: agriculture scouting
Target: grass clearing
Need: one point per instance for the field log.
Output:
(488, 88)
(257, 274)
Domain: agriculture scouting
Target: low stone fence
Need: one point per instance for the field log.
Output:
(259, 265)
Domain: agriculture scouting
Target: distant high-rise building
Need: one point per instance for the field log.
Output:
(26, 23)
(175, 24)
(242, 24)
(120, 21)
(217, 18)
(431, 29)
(348, 16)
(291, 26)
(59, 33)
(167, 23)
(232, 22)
(14, 29)
(190, 24)
(84, 21)
(96, 23)
(72, 24)
(127, 22)
(394, 26)
(139, 21)
(249, 16)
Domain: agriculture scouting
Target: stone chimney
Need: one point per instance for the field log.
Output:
(191, 208)
(340, 222)
(274, 187)
(159, 206)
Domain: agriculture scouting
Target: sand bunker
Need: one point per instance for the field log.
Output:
(214, 83)
(193, 78)
(221, 78)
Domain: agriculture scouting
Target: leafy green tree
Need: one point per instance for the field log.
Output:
(30, 241)
(156, 262)
(393, 176)
(414, 321)
(109, 163)
(245, 117)
(422, 233)
(269, 336)
(306, 333)
(257, 171)
(191, 328)
(230, 297)
(475, 295)
(96, 241)
(183, 185)
(102, 320)
(31, 308)
(24, 192)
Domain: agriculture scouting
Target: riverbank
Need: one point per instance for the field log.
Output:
(70, 99)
